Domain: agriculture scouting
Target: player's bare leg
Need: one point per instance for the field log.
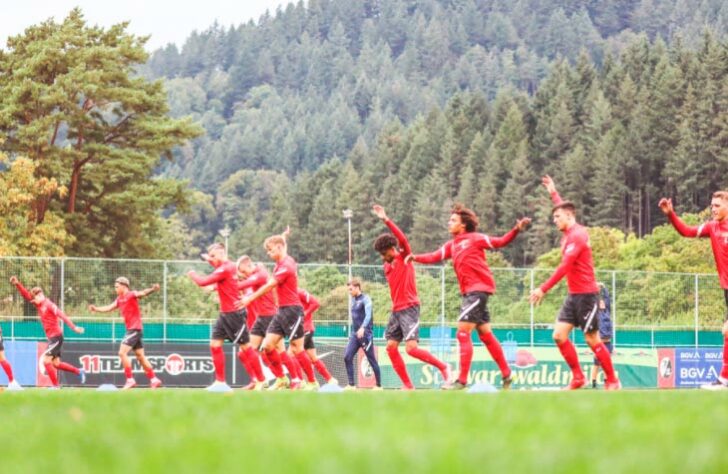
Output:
(568, 351)
(154, 382)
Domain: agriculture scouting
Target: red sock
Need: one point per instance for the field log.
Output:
(306, 365)
(398, 366)
(52, 374)
(274, 359)
(605, 359)
(127, 372)
(496, 352)
(293, 369)
(150, 373)
(466, 355)
(68, 368)
(426, 357)
(321, 369)
(264, 357)
(218, 360)
(243, 358)
(8, 370)
(568, 351)
(254, 362)
(724, 371)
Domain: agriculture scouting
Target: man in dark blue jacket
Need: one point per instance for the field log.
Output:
(606, 328)
(361, 333)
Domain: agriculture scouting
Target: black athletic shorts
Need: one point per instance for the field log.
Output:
(133, 339)
(55, 344)
(288, 322)
(260, 326)
(404, 325)
(308, 341)
(2, 345)
(474, 308)
(581, 311)
(231, 326)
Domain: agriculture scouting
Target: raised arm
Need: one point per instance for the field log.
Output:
(551, 188)
(210, 279)
(313, 304)
(398, 234)
(443, 253)
(148, 291)
(14, 281)
(489, 242)
(270, 284)
(681, 227)
(103, 309)
(256, 279)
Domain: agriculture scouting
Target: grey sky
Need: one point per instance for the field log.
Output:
(166, 20)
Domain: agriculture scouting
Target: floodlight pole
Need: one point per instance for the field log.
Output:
(348, 214)
(225, 233)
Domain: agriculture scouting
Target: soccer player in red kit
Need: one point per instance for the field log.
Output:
(231, 324)
(127, 302)
(311, 305)
(717, 231)
(467, 251)
(582, 304)
(288, 321)
(49, 315)
(13, 384)
(405, 319)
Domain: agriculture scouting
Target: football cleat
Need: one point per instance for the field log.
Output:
(715, 385)
(130, 383)
(457, 385)
(507, 382)
(576, 383)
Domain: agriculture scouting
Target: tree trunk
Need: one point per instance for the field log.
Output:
(73, 188)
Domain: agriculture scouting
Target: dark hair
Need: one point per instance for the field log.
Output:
(721, 195)
(566, 205)
(467, 216)
(384, 242)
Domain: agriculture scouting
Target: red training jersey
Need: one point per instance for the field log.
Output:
(128, 305)
(718, 233)
(265, 306)
(286, 275)
(225, 281)
(310, 305)
(577, 262)
(467, 252)
(401, 275)
(48, 313)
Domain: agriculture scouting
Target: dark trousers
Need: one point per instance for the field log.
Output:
(366, 343)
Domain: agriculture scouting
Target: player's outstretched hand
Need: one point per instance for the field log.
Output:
(379, 211)
(92, 308)
(79, 330)
(155, 287)
(666, 205)
(13, 280)
(536, 296)
(409, 258)
(243, 303)
(286, 233)
(548, 181)
(523, 223)
(190, 273)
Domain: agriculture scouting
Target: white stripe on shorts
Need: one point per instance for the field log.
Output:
(591, 316)
(412, 331)
(468, 309)
(295, 326)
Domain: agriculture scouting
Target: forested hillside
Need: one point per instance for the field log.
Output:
(416, 104)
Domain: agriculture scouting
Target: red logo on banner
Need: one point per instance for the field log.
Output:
(666, 368)
(175, 364)
(366, 377)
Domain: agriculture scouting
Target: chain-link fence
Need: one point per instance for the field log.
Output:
(649, 309)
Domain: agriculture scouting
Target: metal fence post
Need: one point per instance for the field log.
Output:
(164, 303)
(614, 309)
(697, 310)
(533, 331)
(63, 284)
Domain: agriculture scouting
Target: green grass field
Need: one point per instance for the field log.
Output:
(82, 431)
